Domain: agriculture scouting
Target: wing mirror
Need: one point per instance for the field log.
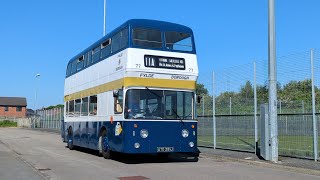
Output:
(199, 99)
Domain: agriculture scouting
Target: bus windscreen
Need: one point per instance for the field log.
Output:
(159, 104)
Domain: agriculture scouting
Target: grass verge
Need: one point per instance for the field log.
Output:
(6, 123)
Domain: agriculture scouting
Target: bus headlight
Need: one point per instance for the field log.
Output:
(185, 133)
(136, 145)
(144, 133)
(191, 144)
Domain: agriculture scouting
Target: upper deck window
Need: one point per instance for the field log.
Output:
(69, 69)
(119, 41)
(147, 38)
(96, 54)
(178, 41)
(74, 66)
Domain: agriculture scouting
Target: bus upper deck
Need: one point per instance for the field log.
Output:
(144, 53)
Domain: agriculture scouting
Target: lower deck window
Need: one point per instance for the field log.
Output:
(93, 105)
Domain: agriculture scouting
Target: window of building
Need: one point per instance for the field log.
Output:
(118, 101)
(178, 41)
(93, 105)
(19, 109)
(6, 108)
(84, 106)
(149, 38)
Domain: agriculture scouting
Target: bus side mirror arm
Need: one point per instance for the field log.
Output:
(199, 99)
(115, 93)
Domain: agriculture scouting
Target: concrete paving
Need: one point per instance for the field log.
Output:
(27, 154)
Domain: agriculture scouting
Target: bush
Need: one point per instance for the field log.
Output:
(7, 123)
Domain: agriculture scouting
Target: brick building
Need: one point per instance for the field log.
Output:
(13, 106)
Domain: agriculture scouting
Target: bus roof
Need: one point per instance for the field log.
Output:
(146, 23)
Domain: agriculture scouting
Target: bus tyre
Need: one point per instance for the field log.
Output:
(163, 156)
(70, 139)
(104, 146)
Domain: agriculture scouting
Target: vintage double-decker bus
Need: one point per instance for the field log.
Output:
(133, 91)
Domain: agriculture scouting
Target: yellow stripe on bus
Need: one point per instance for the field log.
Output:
(133, 82)
(162, 83)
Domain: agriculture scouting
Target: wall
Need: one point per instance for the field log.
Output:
(12, 112)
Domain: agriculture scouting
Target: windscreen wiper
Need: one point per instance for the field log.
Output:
(181, 120)
(171, 107)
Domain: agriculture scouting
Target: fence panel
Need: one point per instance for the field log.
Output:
(50, 119)
(205, 131)
(295, 134)
(236, 132)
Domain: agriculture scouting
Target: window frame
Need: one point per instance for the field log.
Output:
(80, 61)
(95, 56)
(95, 106)
(132, 39)
(117, 103)
(191, 42)
(19, 109)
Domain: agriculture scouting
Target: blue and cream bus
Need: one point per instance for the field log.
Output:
(133, 91)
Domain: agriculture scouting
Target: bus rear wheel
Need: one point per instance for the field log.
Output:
(104, 149)
(70, 139)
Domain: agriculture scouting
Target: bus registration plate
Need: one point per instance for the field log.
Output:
(165, 149)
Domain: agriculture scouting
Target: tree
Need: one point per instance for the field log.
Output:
(246, 91)
(56, 106)
(201, 90)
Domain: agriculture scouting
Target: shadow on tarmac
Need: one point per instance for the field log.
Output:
(145, 158)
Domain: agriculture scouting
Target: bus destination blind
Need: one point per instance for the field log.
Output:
(164, 62)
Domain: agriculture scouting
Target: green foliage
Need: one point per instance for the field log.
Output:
(7, 123)
(56, 106)
(295, 97)
(296, 90)
(201, 90)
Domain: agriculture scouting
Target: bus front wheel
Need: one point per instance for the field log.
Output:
(104, 149)
(70, 139)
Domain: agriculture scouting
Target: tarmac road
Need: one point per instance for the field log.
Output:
(29, 154)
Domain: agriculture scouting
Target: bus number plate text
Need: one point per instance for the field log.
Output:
(165, 149)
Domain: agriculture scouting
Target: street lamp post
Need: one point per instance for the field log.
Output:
(35, 94)
(104, 17)
(272, 83)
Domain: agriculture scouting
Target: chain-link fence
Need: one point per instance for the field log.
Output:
(239, 92)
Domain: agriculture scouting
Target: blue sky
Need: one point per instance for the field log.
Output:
(39, 36)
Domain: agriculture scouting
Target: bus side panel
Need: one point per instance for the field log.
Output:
(83, 134)
(76, 133)
(93, 131)
(93, 135)
(115, 139)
